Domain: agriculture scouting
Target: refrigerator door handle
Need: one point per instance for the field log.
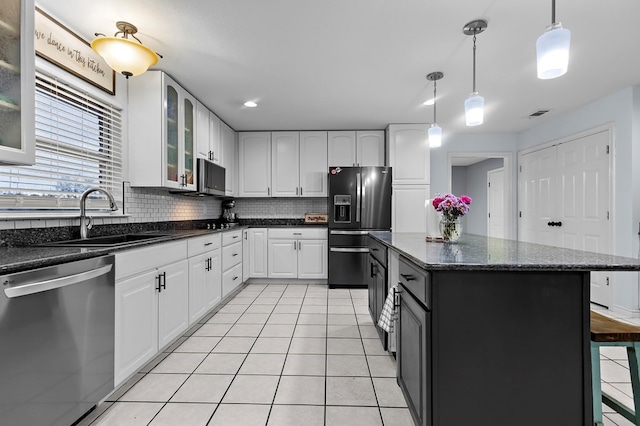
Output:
(358, 195)
(335, 232)
(349, 250)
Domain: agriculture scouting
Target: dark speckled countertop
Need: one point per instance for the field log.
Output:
(16, 259)
(478, 253)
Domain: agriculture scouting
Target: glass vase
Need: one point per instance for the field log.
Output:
(450, 229)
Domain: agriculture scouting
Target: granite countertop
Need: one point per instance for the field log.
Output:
(17, 259)
(479, 253)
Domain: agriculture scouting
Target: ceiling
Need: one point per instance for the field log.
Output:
(362, 64)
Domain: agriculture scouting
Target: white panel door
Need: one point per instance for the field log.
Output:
(285, 164)
(203, 150)
(258, 267)
(255, 164)
(215, 136)
(313, 164)
(173, 302)
(537, 197)
(283, 259)
(370, 148)
(495, 202)
(313, 259)
(136, 324)
(409, 208)
(342, 148)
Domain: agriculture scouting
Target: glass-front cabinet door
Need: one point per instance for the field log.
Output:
(189, 130)
(17, 82)
(172, 122)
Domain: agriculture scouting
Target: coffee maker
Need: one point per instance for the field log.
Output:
(228, 218)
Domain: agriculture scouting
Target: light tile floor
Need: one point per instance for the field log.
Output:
(273, 355)
(289, 355)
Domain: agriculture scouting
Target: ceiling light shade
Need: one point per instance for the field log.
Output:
(123, 55)
(435, 131)
(435, 136)
(474, 110)
(474, 104)
(552, 50)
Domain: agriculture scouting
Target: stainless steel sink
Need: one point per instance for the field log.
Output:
(106, 241)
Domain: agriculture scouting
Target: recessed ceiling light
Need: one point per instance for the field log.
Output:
(250, 104)
(429, 101)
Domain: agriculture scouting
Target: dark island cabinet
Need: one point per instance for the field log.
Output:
(377, 284)
(414, 357)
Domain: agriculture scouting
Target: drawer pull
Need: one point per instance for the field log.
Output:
(235, 254)
(407, 277)
(207, 244)
(235, 236)
(235, 278)
(297, 233)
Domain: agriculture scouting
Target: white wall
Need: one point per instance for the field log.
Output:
(476, 187)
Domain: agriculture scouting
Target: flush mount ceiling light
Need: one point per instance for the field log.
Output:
(250, 104)
(474, 105)
(125, 56)
(552, 49)
(435, 131)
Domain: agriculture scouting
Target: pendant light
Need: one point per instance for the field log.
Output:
(552, 49)
(125, 56)
(435, 131)
(474, 105)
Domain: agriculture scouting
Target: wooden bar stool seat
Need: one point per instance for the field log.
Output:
(607, 331)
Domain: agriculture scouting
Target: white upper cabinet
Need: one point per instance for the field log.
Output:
(342, 148)
(299, 164)
(370, 148)
(361, 148)
(285, 164)
(229, 159)
(409, 153)
(203, 129)
(313, 164)
(162, 127)
(17, 91)
(215, 138)
(255, 164)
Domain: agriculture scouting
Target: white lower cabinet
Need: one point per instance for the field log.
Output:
(152, 303)
(231, 261)
(297, 253)
(205, 275)
(257, 254)
(410, 208)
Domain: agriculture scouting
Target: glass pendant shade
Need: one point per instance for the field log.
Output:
(474, 109)
(125, 56)
(552, 49)
(435, 136)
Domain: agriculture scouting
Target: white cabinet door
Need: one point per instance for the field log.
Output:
(173, 302)
(257, 261)
(231, 279)
(136, 324)
(17, 92)
(228, 159)
(283, 259)
(198, 271)
(285, 164)
(203, 136)
(255, 164)
(312, 259)
(409, 153)
(246, 255)
(215, 136)
(342, 148)
(213, 283)
(313, 164)
(409, 208)
(370, 148)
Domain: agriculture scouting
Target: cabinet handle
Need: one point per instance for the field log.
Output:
(296, 190)
(207, 244)
(407, 277)
(268, 191)
(235, 278)
(299, 245)
(371, 272)
(246, 235)
(235, 254)
(158, 287)
(374, 249)
(301, 191)
(235, 236)
(297, 233)
(396, 297)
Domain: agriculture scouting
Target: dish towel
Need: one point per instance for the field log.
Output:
(388, 315)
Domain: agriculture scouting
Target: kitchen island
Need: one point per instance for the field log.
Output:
(495, 331)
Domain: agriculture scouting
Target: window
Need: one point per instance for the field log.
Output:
(78, 146)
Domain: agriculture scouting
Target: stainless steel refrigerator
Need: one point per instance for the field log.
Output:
(359, 202)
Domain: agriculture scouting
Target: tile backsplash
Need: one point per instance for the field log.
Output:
(278, 208)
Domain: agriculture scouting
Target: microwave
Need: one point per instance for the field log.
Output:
(210, 178)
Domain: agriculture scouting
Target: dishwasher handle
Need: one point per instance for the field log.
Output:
(52, 284)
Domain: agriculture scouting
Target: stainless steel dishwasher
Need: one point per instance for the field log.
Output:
(56, 342)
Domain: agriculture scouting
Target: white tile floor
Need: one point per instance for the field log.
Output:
(288, 355)
(273, 355)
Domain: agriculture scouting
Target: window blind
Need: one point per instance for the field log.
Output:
(78, 146)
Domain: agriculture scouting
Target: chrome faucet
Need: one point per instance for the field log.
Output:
(84, 226)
